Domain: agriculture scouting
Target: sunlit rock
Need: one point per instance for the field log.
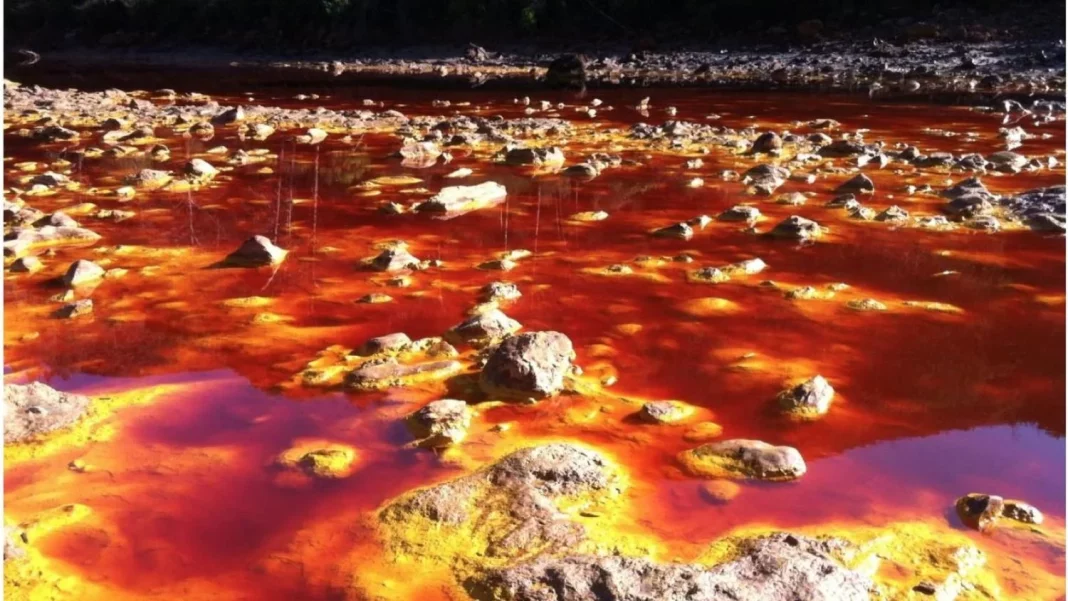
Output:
(664, 412)
(457, 200)
(440, 423)
(257, 251)
(531, 365)
(774, 567)
(809, 399)
(797, 228)
(82, 272)
(32, 410)
(742, 459)
(483, 329)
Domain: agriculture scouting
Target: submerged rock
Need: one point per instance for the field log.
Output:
(31, 410)
(809, 399)
(776, 567)
(440, 423)
(257, 251)
(742, 458)
(531, 365)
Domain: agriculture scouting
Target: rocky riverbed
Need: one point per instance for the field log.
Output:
(544, 345)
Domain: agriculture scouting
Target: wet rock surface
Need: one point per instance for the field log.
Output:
(33, 410)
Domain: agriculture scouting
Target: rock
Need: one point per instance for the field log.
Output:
(1042, 209)
(476, 54)
(664, 412)
(793, 199)
(230, 115)
(893, 214)
(500, 291)
(1007, 161)
(567, 71)
(531, 365)
(34, 409)
(741, 213)
(843, 148)
(483, 329)
(49, 179)
(21, 239)
(809, 399)
(766, 143)
(740, 459)
(710, 275)
(312, 137)
(859, 184)
(257, 251)
(457, 200)
(256, 131)
(1021, 512)
(330, 461)
(797, 228)
(682, 231)
(75, 309)
(393, 374)
(582, 170)
(866, 304)
(862, 213)
(980, 511)
(149, 179)
(14, 544)
(384, 344)
(82, 272)
(55, 133)
(27, 265)
(765, 179)
(440, 423)
(775, 567)
(504, 511)
(419, 155)
(200, 171)
(394, 259)
(549, 156)
(746, 267)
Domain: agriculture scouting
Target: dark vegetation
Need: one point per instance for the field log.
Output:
(295, 25)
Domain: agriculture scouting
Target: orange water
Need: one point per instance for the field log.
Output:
(930, 406)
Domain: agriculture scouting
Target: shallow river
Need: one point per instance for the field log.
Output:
(201, 366)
